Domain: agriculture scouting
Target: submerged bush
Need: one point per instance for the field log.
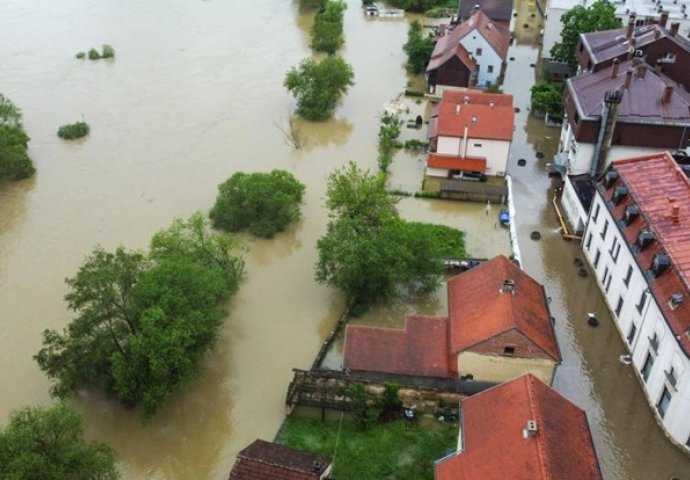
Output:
(73, 130)
(15, 163)
(93, 54)
(106, 52)
(80, 55)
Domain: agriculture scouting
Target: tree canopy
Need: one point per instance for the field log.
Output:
(42, 443)
(368, 251)
(327, 31)
(421, 6)
(15, 163)
(144, 320)
(319, 86)
(600, 15)
(548, 98)
(418, 48)
(264, 203)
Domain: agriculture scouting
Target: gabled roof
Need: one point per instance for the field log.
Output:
(493, 445)
(268, 461)
(449, 162)
(496, 35)
(656, 184)
(479, 309)
(486, 115)
(497, 10)
(458, 51)
(642, 100)
(609, 44)
(421, 348)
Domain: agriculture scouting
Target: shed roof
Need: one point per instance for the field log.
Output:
(456, 163)
(480, 308)
(268, 461)
(493, 441)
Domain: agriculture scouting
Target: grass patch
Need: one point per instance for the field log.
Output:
(394, 450)
(73, 130)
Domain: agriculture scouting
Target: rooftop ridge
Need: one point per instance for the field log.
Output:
(535, 412)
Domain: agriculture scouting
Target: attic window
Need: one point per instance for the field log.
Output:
(668, 57)
(509, 350)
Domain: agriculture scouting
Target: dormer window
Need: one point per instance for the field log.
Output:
(509, 350)
(619, 194)
(660, 263)
(630, 214)
(610, 177)
(644, 239)
(668, 57)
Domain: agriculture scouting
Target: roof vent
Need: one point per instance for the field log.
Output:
(530, 429)
(508, 286)
(660, 263)
(630, 214)
(619, 194)
(610, 177)
(676, 300)
(644, 238)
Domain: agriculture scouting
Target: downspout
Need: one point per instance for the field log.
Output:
(609, 115)
(464, 153)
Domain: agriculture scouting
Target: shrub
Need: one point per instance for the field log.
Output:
(548, 98)
(263, 203)
(108, 51)
(416, 145)
(93, 54)
(327, 31)
(80, 55)
(15, 163)
(73, 130)
(418, 48)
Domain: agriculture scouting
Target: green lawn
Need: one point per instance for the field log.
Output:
(397, 450)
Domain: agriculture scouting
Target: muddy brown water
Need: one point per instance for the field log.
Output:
(193, 95)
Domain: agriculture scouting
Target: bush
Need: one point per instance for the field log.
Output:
(80, 55)
(327, 31)
(73, 130)
(548, 98)
(418, 48)
(93, 54)
(263, 203)
(108, 51)
(416, 145)
(15, 163)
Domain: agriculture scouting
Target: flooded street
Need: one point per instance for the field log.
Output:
(194, 95)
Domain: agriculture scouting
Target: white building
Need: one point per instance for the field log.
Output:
(637, 240)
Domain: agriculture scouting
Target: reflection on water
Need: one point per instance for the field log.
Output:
(334, 131)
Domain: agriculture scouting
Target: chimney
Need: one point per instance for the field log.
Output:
(657, 33)
(628, 78)
(641, 71)
(664, 18)
(607, 125)
(675, 211)
(631, 26)
(614, 68)
(530, 429)
(508, 286)
(668, 91)
(457, 109)
(658, 66)
(674, 28)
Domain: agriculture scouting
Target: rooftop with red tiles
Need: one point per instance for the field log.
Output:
(268, 461)
(421, 348)
(480, 307)
(456, 163)
(495, 438)
(658, 186)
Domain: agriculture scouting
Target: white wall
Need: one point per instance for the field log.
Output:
(488, 58)
(611, 274)
(494, 151)
(572, 208)
(449, 146)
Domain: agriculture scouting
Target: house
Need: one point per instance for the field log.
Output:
(637, 241)
(498, 327)
(654, 43)
(521, 429)
(470, 53)
(643, 12)
(624, 110)
(499, 11)
(470, 132)
(268, 461)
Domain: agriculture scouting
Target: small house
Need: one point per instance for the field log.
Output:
(269, 461)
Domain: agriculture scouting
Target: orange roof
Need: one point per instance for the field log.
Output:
(456, 163)
(656, 184)
(268, 461)
(496, 35)
(479, 309)
(421, 348)
(486, 115)
(493, 442)
(457, 51)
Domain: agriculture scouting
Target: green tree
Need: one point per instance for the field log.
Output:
(264, 203)
(547, 97)
(15, 163)
(327, 31)
(601, 15)
(421, 6)
(319, 86)
(418, 48)
(144, 321)
(46, 443)
(364, 413)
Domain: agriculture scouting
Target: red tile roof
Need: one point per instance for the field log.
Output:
(267, 461)
(479, 310)
(421, 348)
(486, 115)
(457, 51)
(456, 163)
(493, 443)
(656, 184)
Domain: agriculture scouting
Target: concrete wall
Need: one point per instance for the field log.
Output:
(499, 368)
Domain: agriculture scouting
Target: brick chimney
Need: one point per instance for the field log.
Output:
(664, 18)
(668, 92)
(628, 79)
(674, 28)
(675, 212)
(614, 68)
(631, 26)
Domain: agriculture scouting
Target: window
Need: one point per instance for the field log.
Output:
(509, 350)
(668, 57)
(596, 258)
(615, 250)
(608, 283)
(643, 300)
(606, 228)
(619, 307)
(628, 275)
(478, 52)
(687, 444)
(477, 144)
(613, 245)
(606, 274)
(671, 377)
(596, 213)
(647, 367)
(589, 241)
(490, 69)
(663, 403)
(654, 343)
(631, 333)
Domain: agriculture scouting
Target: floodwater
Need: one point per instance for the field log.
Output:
(195, 94)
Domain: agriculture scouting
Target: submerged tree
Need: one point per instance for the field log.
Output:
(47, 443)
(418, 48)
(144, 321)
(319, 86)
(15, 163)
(327, 31)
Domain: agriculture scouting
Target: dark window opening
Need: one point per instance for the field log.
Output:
(619, 307)
(647, 367)
(628, 275)
(509, 350)
(631, 334)
(664, 402)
